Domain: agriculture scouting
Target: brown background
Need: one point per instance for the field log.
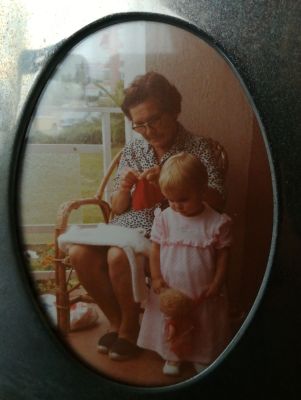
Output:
(216, 105)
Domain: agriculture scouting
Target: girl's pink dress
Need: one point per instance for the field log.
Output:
(187, 255)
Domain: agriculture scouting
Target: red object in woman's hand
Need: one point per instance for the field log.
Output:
(146, 195)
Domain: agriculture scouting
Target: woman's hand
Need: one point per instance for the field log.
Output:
(158, 284)
(129, 177)
(121, 198)
(151, 174)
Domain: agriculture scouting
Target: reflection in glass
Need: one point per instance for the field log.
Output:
(77, 129)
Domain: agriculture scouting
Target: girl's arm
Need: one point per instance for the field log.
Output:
(158, 282)
(220, 274)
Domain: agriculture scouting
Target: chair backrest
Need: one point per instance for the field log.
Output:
(108, 174)
(218, 151)
(220, 155)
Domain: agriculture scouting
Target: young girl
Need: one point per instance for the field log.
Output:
(190, 244)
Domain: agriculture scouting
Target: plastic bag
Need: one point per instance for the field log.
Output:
(82, 315)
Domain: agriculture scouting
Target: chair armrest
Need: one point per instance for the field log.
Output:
(66, 208)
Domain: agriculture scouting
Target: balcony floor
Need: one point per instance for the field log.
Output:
(143, 370)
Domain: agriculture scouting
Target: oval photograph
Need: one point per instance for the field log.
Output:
(146, 202)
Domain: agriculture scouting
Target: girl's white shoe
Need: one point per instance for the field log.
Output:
(199, 367)
(171, 368)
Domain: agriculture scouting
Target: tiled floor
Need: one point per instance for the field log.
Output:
(144, 370)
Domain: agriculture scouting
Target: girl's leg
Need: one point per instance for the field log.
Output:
(90, 263)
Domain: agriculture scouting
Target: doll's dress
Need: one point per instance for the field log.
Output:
(179, 333)
(187, 257)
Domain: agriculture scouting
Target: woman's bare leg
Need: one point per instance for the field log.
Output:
(120, 274)
(90, 263)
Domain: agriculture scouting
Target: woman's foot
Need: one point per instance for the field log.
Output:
(171, 368)
(106, 342)
(125, 346)
(123, 349)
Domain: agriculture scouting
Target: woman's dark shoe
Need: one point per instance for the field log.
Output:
(122, 350)
(106, 342)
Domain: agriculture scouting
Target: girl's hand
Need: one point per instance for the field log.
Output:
(211, 291)
(200, 299)
(151, 174)
(128, 178)
(158, 284)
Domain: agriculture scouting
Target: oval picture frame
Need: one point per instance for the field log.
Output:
(247, 152)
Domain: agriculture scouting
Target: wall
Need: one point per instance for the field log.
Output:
(259, 220)
(214, 104)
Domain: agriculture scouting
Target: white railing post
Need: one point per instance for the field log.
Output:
(105, 147)
(106, 142)
(127, 129)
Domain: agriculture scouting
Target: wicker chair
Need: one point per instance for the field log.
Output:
(64, 297)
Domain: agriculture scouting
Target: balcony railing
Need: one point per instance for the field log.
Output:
(105, 148)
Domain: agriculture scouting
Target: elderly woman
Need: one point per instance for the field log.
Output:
(152, 104)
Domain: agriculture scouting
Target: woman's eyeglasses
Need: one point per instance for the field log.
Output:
(153, 123)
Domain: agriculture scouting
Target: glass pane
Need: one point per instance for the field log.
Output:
(187, 99)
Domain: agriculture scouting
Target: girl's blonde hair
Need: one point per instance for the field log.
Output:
(183, 171)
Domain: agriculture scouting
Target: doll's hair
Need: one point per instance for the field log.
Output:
(152, 85)
(181, 172)
(174, 303)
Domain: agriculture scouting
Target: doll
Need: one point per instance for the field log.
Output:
(179, 326)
